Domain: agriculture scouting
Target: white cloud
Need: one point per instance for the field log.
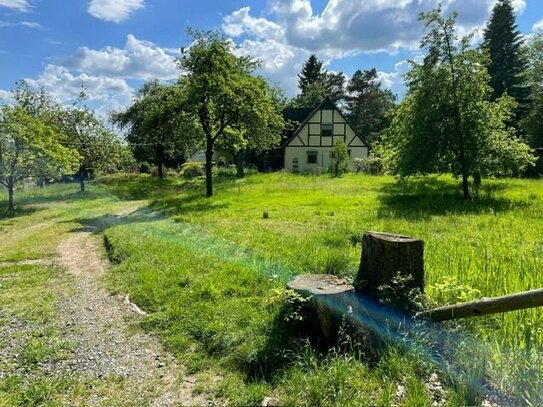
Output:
(6, 97)
(114, 10)
(291, 30)
(137, 60)
(27, 24)
(19, 5)
(111, 93)
(538, 26)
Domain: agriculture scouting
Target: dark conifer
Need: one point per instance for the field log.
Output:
(507, 65)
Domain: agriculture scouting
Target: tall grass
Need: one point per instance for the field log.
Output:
(210, 271)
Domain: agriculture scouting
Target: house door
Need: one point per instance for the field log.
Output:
(295, 167)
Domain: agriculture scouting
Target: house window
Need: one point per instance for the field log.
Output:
(312, 157)
(327, 130)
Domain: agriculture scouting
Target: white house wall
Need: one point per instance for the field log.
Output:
(323, 157)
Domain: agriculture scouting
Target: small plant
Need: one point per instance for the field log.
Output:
(401, 294)
(339, 163)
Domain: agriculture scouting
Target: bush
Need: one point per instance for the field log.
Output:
(370, 165)
(193, 169)
(145, 168)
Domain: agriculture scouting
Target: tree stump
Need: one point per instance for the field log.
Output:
(330, 297)
(384, 256)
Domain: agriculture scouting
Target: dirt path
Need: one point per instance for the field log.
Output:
(106, 345)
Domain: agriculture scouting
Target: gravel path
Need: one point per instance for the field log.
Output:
(105, 343)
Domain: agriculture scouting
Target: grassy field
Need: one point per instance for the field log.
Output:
(211, 273)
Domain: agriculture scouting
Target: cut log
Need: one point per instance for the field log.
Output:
(487, 306)
(384, 256)
(330, 297)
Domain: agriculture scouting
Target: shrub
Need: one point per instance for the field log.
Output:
(145, 168)
(193, 169)
(370, 165)
(340, 160)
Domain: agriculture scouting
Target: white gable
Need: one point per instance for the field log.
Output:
(325, 128)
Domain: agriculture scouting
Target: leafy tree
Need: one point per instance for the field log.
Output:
(447, 121)
(157, 126)
(220, 90)
(534, 119)
(367, 104)
(507, 64)
(100, 150)
(30, 147)
(340, 159)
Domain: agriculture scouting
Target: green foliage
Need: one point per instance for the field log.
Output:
(367, 105)
(193, 169)
(446, 121)
(507, 64)
(339, 163)
(227, 99)
(31, 147)
(100, 150)
(372, 165)
(534, 119)
(312, 73)
(158, 126)
(316, 84)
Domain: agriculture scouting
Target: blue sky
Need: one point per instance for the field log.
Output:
(112, 46)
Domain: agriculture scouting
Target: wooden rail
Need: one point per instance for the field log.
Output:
(487, 306)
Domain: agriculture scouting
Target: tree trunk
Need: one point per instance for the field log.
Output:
(330, 299)
(240, 171)
(11, 186)
(209, 167)
(384, 256)
(81, 179)
(159, 161)
(477, 181)
(465, 186)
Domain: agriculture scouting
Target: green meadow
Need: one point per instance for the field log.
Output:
(211, 274)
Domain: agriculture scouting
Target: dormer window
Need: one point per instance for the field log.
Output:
(327, 130)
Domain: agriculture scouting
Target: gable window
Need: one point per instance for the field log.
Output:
(312, 157)
(327, 130)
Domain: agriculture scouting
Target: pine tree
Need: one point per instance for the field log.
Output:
(312, 73)
(367, 104)
(507, 66)
(316, 83)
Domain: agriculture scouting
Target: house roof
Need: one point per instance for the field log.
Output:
(297, 114)
(326, 104)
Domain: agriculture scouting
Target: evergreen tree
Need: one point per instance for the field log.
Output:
(312, 72)
(316, 84)
(368, 104)
(507, 65)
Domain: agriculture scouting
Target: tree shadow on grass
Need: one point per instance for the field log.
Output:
(186, 204)
(18, 212)
(101, 223)
(421, 198)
